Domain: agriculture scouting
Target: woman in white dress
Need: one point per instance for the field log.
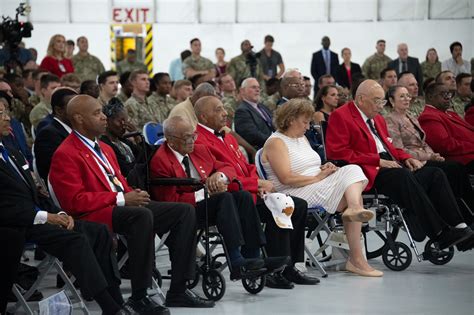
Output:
(295, 169)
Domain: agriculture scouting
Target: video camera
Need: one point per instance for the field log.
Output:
(12, 31)
(251, 60)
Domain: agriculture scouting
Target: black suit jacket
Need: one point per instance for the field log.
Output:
(413, 66)
(318, 67)
(46, 143)
(341, 74)
(17, 197)
(250, 125)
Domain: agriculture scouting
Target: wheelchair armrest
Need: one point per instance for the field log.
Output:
(175, 182)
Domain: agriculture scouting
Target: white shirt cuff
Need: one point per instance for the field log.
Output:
(41, 217)
(120, 199)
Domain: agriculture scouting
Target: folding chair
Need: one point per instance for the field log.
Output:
(46, 265)
(152, 132)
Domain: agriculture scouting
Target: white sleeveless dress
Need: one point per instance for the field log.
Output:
(305, 161)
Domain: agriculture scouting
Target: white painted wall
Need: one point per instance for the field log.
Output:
(295, 41)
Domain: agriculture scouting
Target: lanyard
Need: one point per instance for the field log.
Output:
(100, 158)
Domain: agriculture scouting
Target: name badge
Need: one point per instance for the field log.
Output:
(25, 167)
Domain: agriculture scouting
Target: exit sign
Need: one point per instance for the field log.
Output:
(124, 15)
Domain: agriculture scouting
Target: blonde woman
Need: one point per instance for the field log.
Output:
(55, 60)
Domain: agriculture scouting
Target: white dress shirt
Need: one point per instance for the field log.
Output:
(378, 143)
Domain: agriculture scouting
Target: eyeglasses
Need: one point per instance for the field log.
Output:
(297, 85)
(446, 94)
(405, 97)
(4, 114)
(188, 139)
(379, 102)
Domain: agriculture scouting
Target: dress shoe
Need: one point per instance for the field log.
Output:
(146, 306)
(294, 275)
(453, 236)
(374, 273)
(466, 245)
(249, 264)
(187, 299)
(127, 310)
(357, 215)
(277, 281)
(274, 263)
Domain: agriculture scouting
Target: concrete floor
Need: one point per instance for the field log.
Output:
(423, 288)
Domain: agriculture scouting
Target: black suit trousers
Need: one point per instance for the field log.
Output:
(236, 218)
(12, 242)
(86, 250)
(426, 195)
(285, 242)
(138, 225)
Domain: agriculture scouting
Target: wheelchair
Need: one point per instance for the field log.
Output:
(386, 225)
(210, 266)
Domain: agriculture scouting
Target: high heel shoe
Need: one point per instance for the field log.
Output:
(357, 215)
(374, 273)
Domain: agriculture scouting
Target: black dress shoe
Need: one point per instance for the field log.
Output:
(453, 236)
(294, 275)
(250, 264)
(187, 299)
(274, 263)
(146, 306)
(277, 281)
(466, 245)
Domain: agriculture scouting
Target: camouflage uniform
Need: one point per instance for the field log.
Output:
(240, 70)
(198, 64)
(230, 104)
(374, 65)
(458, 104)
(124, 66)
(430, 70)
(270, 100)
(122, 97)
(17, 109)
(34, 100)
(141, 112)
(40, 111)
(417, 106)
(87, 67)
(162, 105)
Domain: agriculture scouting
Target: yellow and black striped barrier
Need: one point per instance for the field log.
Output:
(149, 48)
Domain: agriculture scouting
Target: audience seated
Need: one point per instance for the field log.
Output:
(253, 121)
(233, 212)
(358, 135)
(456, 64)
(87, 182)
(126, 87)
(127, 151)
(463, 93)
(407, 134)
(291, 85)
(181, 90)
(51, 136)
(417, 103)
(108, 86)
(160, 99)
(49, 82)
(90, 87)
(280, 242)
(446, 132)
(84, 247)
(295, 169)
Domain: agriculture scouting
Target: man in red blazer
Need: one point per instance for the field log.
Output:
(358, 134)
(446, 132)
(280, 242)
(233, 212)
(87, 182)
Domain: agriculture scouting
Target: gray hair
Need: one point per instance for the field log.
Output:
(246, 81)
(170, 124)
(292, 73)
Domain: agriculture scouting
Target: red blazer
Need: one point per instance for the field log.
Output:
(164, 164)
(79, 184)
(469, 115)
(52, 65)
(228, 151)
(448, 134)
(348, 138)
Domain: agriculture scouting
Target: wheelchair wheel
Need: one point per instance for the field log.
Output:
(398, 259)
(190, 284)
(436, 255)
(254, 285)
(376, 251)
(213, 285)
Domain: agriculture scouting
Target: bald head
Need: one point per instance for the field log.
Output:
(370, 98)
(86, 117)
(210, 112)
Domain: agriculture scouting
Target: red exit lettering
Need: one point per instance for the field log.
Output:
(130, 15)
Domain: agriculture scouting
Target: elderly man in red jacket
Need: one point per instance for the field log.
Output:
(446, 132)
(358, 134)
(87, 182)
(280, 242)
(233, 212)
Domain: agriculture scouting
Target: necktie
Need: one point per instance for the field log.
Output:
(219, 134)
(327, 61)
(385, 155)
(186, 166)
(404, 66)
(264, 115)
(112, 178)
(6, 158)
(98, 150)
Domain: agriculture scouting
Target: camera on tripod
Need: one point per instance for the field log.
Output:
(251, 60)
(12, 31)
